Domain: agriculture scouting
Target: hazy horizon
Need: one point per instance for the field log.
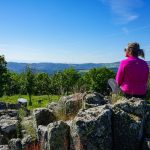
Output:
(59, 62)
(66, 62)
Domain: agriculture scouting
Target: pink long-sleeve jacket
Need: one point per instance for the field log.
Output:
(132, 76)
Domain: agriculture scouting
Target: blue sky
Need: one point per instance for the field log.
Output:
(72, 31)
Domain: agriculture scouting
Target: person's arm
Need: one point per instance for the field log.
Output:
(120, 74)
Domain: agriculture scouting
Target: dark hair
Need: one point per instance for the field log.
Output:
(134, 49)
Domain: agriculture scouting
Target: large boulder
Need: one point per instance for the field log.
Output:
(68, 106)
(13, 106)
(56, 109)
(128, 124)
(58, 136)
(15, 144)
(43, 116)
(91, 129)
(93, 100)
(4, 147)
(53, 106)
(133, 106)
(3, 106)
(12, 113)
(43, 137)
(71, 104)
(8, 127)
(27, 140)
(9, 113)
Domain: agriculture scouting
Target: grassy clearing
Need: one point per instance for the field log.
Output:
(53, 98)
(44, 100)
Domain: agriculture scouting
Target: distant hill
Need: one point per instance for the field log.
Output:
(54, 67)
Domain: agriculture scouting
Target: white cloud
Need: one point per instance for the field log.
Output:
(124, 9)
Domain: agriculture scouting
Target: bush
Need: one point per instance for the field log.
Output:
(98, 78)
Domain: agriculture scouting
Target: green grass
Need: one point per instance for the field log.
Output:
(115, 97)
(44, 98)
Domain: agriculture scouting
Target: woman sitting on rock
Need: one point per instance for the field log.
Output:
(133, 72)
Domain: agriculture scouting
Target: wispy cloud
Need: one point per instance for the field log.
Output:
(124, 10)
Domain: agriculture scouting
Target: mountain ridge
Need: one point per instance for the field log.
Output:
(54, 67)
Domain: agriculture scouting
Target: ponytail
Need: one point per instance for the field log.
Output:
(141, 53)
(134, 50)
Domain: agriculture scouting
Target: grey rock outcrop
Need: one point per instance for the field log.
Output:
(147, 123)
(8, 114)
(99, 125)
(93, 100)
(12, 106)
(91, 129)
(56, 109)
(43, 136)
(72, 103)
(15, 144)
(8, 127)
(53, 106)
(4, 147)
(133, 106)
(3, 106)
(26, 141)
(128, 124)
(58, 136)
(43, 116)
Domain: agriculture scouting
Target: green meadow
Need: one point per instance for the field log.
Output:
(44, 100)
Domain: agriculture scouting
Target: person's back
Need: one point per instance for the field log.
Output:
(132, 75)
(135, 76)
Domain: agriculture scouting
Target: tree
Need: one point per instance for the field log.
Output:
(13, 86)
(86, 82)
(57, 83)
(22, 83)
(30, 83)
(97, 79)
(64, 82)
(3, 75)
(70, 77)
(43, 84)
